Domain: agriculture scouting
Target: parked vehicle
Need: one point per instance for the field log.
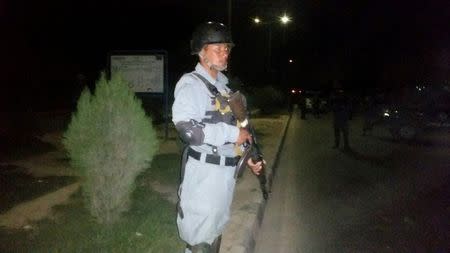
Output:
(310, 98)
(404, 123)
(421, 111)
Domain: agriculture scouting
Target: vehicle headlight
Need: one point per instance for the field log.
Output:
(386, 113)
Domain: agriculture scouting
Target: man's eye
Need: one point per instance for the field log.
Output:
(223, 49)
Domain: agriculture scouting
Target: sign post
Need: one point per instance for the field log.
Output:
(147, 74)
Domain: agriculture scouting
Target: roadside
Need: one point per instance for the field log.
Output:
(247, 207)
(247, 210)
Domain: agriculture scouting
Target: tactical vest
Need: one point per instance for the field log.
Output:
(221, 111)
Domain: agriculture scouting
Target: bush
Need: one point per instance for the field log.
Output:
(267, 99)
(109, 140)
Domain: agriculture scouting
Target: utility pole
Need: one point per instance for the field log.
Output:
(229, 7)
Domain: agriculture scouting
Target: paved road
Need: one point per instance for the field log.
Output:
(328, 200)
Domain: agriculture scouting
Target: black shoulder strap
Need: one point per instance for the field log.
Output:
(209, 85)
(216, 94)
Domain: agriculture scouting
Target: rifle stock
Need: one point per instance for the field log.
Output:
(238, 107)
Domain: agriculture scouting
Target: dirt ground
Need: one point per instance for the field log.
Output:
(24, 214)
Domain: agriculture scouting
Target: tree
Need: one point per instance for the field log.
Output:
(109, 140)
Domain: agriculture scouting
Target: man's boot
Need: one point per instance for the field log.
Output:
(200, 248)
(206, 248)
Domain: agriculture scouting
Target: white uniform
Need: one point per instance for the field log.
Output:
(207, 189)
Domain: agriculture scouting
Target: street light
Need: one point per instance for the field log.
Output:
(256, 20)
(283, 20)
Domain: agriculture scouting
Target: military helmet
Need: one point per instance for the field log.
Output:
(209, 33)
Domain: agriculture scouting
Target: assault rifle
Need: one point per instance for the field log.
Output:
(251, 149)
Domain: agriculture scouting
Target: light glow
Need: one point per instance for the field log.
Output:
(285, 19)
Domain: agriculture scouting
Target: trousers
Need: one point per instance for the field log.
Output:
(205, 195)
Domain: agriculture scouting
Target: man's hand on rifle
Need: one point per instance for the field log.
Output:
(244, 136)
(255, 167)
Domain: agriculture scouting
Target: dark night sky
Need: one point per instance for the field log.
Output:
(47, 43)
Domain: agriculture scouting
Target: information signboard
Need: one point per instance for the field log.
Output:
(144, 72)
(147, 74)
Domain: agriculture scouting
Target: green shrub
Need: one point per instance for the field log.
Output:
(109, 140)
(267, 99)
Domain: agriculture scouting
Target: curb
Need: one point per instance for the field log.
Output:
(247, 211)
(277, 156)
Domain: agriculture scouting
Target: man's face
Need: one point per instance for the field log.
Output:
(216, 55)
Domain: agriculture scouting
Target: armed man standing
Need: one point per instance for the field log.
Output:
(206, 124)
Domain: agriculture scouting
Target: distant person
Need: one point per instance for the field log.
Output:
(204, 121)
(370, 115)
(341, 115)
(316, 106)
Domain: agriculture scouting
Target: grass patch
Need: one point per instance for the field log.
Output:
(149, 226)
(267, 130)
(165, 169)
